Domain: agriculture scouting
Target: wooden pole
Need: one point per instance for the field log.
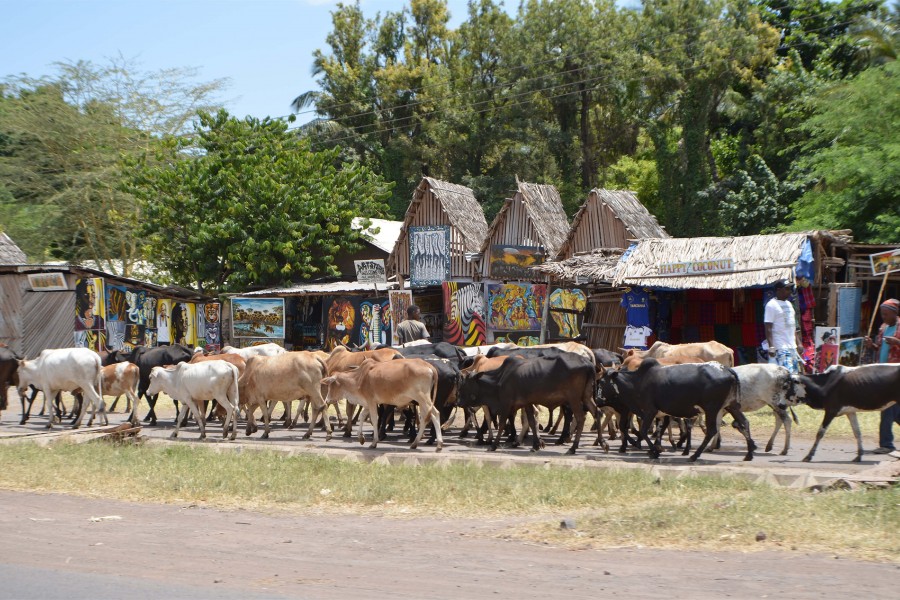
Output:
(546, 315)
(887, 272)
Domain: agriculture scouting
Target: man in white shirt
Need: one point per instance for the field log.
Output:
(782, 334)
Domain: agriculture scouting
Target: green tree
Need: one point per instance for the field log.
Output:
(852, 161)
(246, 202)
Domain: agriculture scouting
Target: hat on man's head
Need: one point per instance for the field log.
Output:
(782, 284)
(892, 304)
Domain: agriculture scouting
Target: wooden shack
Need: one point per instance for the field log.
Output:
(437, 203)
(532, 221)
(609, 219)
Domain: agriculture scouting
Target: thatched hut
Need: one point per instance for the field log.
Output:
(529, 229)
(610, 219)
(437, 203)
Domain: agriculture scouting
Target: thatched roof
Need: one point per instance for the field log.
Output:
(545, 209)
(634, 215)
(758, 260)
(461, 206)
(599, 265)
(10, 253)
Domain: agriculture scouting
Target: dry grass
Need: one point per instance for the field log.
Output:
(611, 507)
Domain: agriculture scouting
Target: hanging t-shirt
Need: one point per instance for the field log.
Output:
(636, 337)
(636, 302)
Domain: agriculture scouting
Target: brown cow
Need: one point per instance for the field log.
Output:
(396, 383)
(711, 351)
(282, 378)
(341, 360)
(119, 379)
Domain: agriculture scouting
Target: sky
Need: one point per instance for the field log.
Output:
(264, 47)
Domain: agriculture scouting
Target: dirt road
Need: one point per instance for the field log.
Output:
(50, 547)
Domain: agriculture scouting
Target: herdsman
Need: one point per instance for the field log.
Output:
(887, 350)
(782, 332)
(412, 328)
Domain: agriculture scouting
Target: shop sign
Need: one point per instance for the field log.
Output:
(696, 267)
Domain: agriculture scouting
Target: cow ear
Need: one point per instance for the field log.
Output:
(329, 380)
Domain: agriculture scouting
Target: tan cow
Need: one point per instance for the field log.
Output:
(396, 383)
(283, 378)
(122, 379)
(341, 360)
(711, 351)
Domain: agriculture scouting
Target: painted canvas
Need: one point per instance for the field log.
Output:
(888, 261)
(212, 331)
(148, 308)
(515, 262)
(827, 347)
(520, 338)
(257, 317)
(183, 324)
(400, 301)
(90, 305)
(516, 306)
(342, 319)
(134, 300)
(163, 320)
(851, 352)
(429, 255)
(91, 339)
(134, 336)
(566, 313)
(116, 303)
(464, 313)
(374, 322)
(115, 334)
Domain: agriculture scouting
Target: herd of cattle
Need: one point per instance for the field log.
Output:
(638, 393)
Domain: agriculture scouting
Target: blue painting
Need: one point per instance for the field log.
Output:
(257, 318)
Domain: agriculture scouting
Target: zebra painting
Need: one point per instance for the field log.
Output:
(464, 314)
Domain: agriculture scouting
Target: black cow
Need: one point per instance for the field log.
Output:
(846, 391)
(438, 350)
(147, 358)
(9, 367)
(605, 358)
(566, 380)
(678, 391)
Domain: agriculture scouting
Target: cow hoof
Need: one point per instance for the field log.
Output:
(768, 447)
(570, 451)
(327, 437)
(532, 449)
(783, 453)
(692, 459)
(807, 458)
(233, 435)
(22, 422)
(622, 450)
(173, 436)
(362, 440)
(439, 447)
(413, 446)
(373, 445)
(492, 449)
(306, 436)
(347, 435)
(858, 458)
(749, 457)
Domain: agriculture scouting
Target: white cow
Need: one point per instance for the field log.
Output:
(192, 383)
(764, 384)
(65, 370)
(270, 349)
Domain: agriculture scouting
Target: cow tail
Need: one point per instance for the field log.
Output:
(237, 393)
(99, 382)
(794, 415)
(737, 387)
(434, 386)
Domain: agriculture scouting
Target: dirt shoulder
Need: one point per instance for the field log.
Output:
(323, 556)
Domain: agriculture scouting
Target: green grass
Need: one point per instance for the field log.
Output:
(612, 507)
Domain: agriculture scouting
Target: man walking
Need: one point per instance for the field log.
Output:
(782, 333)
(412, 328)
(887, 346)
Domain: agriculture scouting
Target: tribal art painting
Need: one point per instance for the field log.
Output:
(464, 310)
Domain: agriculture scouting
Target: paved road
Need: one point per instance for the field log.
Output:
(50, 548)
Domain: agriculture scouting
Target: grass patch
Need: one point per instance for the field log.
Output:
(612, 507)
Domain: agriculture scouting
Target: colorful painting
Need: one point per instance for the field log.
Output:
(90, 305)
(851, 352)
(516, 306)
(429, 255)
(116, 303)
(257, 317)
(94, 340)
(212, 332)
(134, 301)
(464, 313)
(148, 308)
(400, 301)
(520, 338)
(182, 328)
(115, 335)
(566, 313)
(134, 336)
(515, 262)
(374, 322)
(342, 319)
(827, 347)
(885, 262)
(163, 321)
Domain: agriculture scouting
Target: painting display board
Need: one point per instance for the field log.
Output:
(257, 318)
(400, 301)
(849, 310)
(851, 352)
(567, 309)
(90, 305)
(515, 262)
(374, 322)
(429, 255)
(827, 347)
(183, 326)
(882, 262)
(516, 306)
(464, 313)
(209, 325)
(341, 321)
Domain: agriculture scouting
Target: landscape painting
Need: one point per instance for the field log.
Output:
(515, 262)
(257, 318)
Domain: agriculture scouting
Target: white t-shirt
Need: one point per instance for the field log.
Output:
(780, 313)
(636, 337)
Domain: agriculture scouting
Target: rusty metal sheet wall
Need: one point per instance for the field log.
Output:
(12, 286)
(48, 320)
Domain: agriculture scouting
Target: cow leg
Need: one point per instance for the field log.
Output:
(826, 421)
(425, 411)
(854, 424)
(712, 428)
(49, 395)
(436, 423)
(267, 409)
(288, 421)
(688, 427)
(742, 425)
(566, 433)
(781, 418)
(373, 416)
(532, 423)
(643, 433)
(381, 431)
(151, 401)
(579, 416)
(27, 413)
(501, 424)
(115, 402)
(178, 419)
(251, 420)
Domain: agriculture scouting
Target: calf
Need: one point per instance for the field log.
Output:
(64, 369)
(846, 391)
(682, 391)
(122, 379)
(193, 383)
(270, 349)
(342, 360)
(699, 352)
(564, 380)
(396, 383)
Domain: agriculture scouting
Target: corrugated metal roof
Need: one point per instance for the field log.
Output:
(388, 232)
(332, 287)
